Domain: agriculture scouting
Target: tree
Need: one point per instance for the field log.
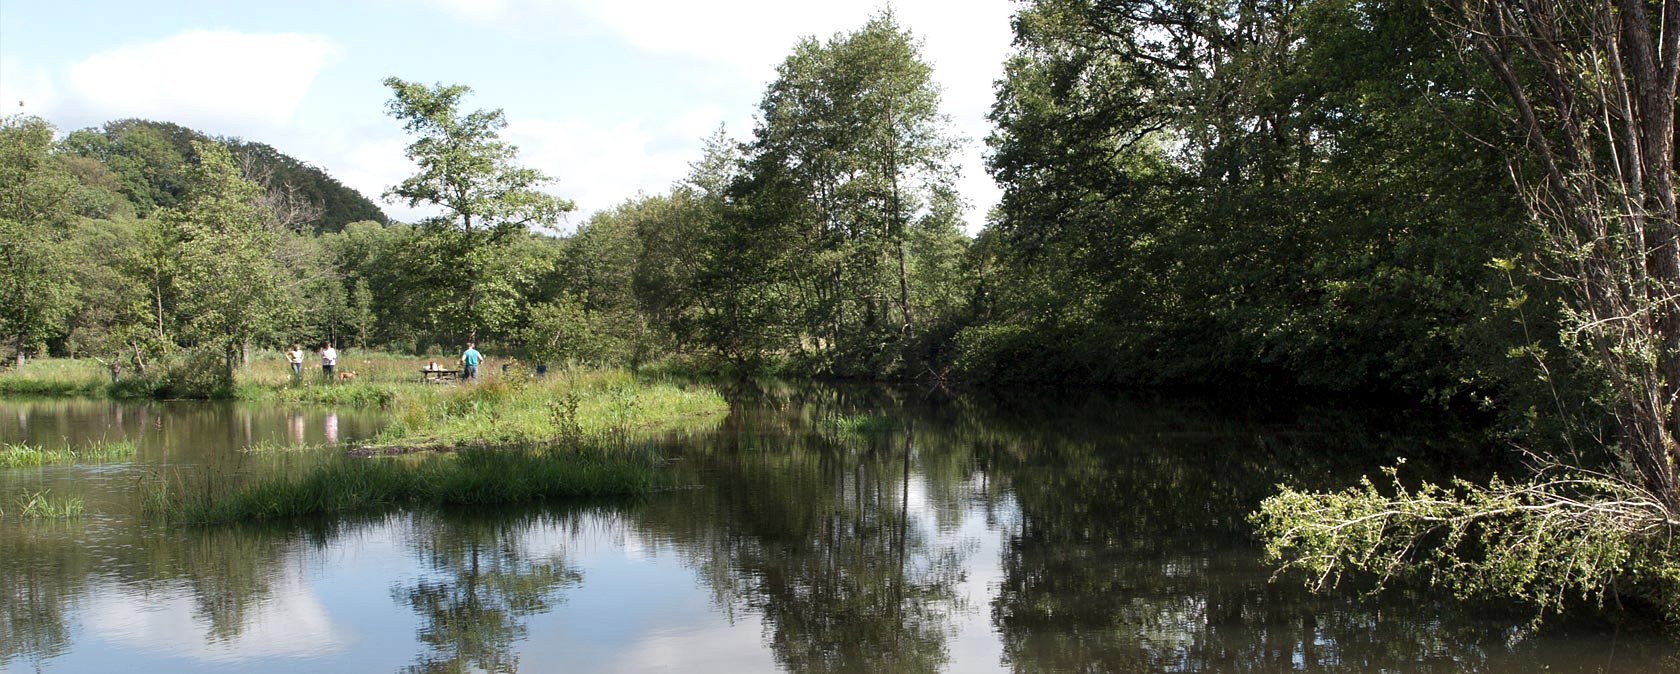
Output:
(230, 285)
(487, 198)
(854, 160)
(36, 208)
(1601, 151)
(1589, 88)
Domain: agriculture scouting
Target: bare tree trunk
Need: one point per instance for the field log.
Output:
(1601, 81)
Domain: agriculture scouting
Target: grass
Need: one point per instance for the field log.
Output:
(19, 455)
(55, 377)
(280, 447)
(41, 505)
(571, 406)
(348, 485)
(863, 424)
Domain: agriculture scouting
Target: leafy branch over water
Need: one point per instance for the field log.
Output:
(1560, 537)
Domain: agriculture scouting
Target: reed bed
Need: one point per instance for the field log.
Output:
(21, 455)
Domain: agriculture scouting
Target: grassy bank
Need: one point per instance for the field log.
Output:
(366, 379)
(57, 377)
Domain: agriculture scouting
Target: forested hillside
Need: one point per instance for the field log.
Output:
(142, 162)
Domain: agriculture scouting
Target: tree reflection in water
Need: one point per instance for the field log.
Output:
(487, 581)
(40, 578)
(808, 523)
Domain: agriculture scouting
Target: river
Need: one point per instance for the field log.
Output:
(822, 530)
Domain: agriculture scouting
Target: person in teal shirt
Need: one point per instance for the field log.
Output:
(469, 362)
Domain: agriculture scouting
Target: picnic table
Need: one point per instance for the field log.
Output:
(440, 375)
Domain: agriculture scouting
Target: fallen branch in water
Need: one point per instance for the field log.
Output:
(1561, 536)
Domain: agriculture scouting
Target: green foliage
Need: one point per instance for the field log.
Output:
(220, 227)
(145, 163)
(331, 203)
(1548, 542)
(563, 331)
(36, 290)
(193, 374)
(488, 199)
(844, 209)
(1280, 206)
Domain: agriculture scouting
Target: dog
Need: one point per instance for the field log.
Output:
(347, 375)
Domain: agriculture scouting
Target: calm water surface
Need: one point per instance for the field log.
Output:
(825, 531)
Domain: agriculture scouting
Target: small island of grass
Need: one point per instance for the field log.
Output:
(507, 440)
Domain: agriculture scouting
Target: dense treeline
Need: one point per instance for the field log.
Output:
(1303, 194)
(1292, 194)
(1277, 193)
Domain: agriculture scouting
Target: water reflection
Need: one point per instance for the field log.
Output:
(329, 427)
(826, 531)
(486, 578)
(817, 536)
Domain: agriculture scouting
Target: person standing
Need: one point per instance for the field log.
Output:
(469, 362)
(329, 358)
(295, 358)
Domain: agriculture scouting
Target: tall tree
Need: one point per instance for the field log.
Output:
(36, 208)
(230, 284)
(468, 171)
(854, 157)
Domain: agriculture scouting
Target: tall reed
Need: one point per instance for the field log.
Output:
(19, 455)
(42, 505)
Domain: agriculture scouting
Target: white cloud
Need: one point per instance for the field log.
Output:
(371, 166)
(599, 166)
(291, 622)
(207, 79)
(26, 90)
(476, 10)
(595, 165)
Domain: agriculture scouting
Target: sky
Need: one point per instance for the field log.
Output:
(610, 97)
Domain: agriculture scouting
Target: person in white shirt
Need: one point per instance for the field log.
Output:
(295, 358)
(329, 358)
